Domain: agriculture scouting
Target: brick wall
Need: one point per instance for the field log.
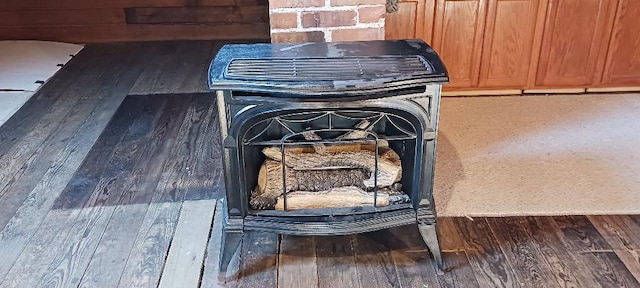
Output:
(294, 21)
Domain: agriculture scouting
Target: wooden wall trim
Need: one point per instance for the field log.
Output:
(81, 21)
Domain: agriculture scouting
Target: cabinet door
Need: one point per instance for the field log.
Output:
(573, 35)
(622, 66)
(508, 41)
(403, 23)
(457, 37)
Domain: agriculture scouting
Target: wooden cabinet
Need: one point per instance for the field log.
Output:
(457, 37)
(507, 44)
(622, 66)
(575, 31)
(485, 44)
(409, 21)
(527, 44)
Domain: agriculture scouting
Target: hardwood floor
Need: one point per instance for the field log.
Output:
(110, 175)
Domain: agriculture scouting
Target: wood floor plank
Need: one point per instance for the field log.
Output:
(132, 203)
(593, 252)
(130, 187)
(41, 248)
(74, 255)
(623, 234)
(489, 264)
(197, 82)
(111, 182)
(56, 124)
(373, 260)
(186, 255)
(336, 262)
(146, 259)
(297, 262)
(562, 262)
(144, 265)
(212, 255)
(207, 176)
(411, 257)
(23, 121)
(43, 157)
(191, 56)
(153, 71)
(258, 266)
(457, 268)
(530, 266)
(28, 217)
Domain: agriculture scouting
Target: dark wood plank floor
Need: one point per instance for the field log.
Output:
(110, 175)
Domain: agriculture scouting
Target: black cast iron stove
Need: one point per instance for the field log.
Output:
(276, 100)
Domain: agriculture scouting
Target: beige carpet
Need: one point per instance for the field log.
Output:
(539, 155)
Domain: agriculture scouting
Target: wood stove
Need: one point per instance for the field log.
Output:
(328, 138)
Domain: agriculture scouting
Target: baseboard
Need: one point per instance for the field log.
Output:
(614, 89)
(483, 92)
(555, 91)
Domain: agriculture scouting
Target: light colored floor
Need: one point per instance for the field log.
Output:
(10, 102)
(539, 155)
(24, 66)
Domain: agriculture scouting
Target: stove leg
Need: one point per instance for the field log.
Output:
(430, 237)
(229, 251)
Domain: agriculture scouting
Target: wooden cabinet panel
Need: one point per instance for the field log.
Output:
(623, 58)
(402, 24)
(457, 38)
(508, 43)
(573, 36)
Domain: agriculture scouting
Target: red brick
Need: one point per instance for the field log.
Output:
(371, 14)
(357, 34)
(357, 2)
(295, 3)
(328, 18)
(283, 20)
(297, 37)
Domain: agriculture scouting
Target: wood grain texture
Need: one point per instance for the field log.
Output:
(402, 24)
(60, 17)
(623, 234)
(411, 258)
(457, 37)
(168, 74)
(373, 260)
(42, 247)
(336, 262)
(457, 269)
(622, 66)
(22, 226)
(491, 267)
(86, 229)
(130, 20)
(146, 260)
(49, 130)
(184, 261)
(259, 262)
(565, 268)
(593, 251)
(530, 266)
(137, 32)
(508, 39)
(297, 262)
(189, 15)
(212, 256)
(132, 203)
(571, 43)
